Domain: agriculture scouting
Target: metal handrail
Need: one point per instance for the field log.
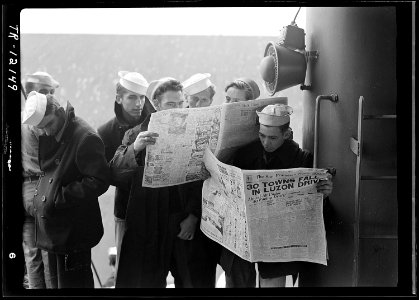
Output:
(333, 98)
(355, 263)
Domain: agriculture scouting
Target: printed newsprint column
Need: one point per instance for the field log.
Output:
(223, 207)
(177, 155)
(240, 125)
(282, 213)
(185, 133)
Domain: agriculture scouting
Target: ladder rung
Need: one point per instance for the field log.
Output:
(379, 236)
(354, 145)
(377, 117)
(378, 177)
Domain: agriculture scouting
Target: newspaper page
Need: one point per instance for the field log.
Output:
(285, 215)
(184, 134)
(282, 217)
(223, 209)
(177, 155)
(240, 128)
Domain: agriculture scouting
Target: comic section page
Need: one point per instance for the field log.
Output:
(177, 155)
(184, 134)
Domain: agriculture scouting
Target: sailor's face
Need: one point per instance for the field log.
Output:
(50, 125)
(271, 137)
(42, 89)
(234, 94)
(201, 99)
(132, 103)
(171, 99)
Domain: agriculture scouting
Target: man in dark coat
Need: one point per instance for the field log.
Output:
(36, 260)
(131, 108)
(162, 223)
(274, 150)
(74, 174)
(199, 92)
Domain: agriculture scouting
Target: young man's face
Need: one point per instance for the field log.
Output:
(271, 137)
(201, 99)
(235, 95)
(132, 103)
(171, 99)
(42, 88)
(51, 124)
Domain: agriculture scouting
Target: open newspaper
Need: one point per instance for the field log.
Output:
(185, 133)
(264, 215)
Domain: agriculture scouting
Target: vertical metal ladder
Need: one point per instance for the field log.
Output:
(356, 147)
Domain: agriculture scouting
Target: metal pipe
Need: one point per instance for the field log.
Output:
(333, 98)
(97, 275)
(355, 262)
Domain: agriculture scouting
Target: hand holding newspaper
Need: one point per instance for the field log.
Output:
(185, 133)
(264, 215)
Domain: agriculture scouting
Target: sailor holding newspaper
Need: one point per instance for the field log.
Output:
(273, 150)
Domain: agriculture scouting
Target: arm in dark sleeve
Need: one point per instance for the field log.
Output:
(193, 195)
(123, 165)
(94, 170)
(307, 160)
(109, 151)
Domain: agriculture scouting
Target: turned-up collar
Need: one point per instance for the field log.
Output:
(285, 153)
(67, 107)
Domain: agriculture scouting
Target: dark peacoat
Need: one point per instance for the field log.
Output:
(112, 133)
(75, 174)
(254, 157)
(152, 223)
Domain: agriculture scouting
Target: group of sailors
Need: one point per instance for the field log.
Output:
(68, 164)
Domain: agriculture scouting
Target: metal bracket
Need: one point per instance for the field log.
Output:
(309, 56)
(334, 97)
(354, 145)
(312, 55)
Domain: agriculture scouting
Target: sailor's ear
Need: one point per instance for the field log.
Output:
(288, 134)
(118, 99)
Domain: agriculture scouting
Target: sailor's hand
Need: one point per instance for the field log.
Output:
(187, 227)
(143, 139)
(325, 186)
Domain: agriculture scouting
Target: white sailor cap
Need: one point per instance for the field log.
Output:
(196, 83)
(35, 107)
(152, 88)
(112, 251)
(274, 114)
(42, 78)
(133, 81)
